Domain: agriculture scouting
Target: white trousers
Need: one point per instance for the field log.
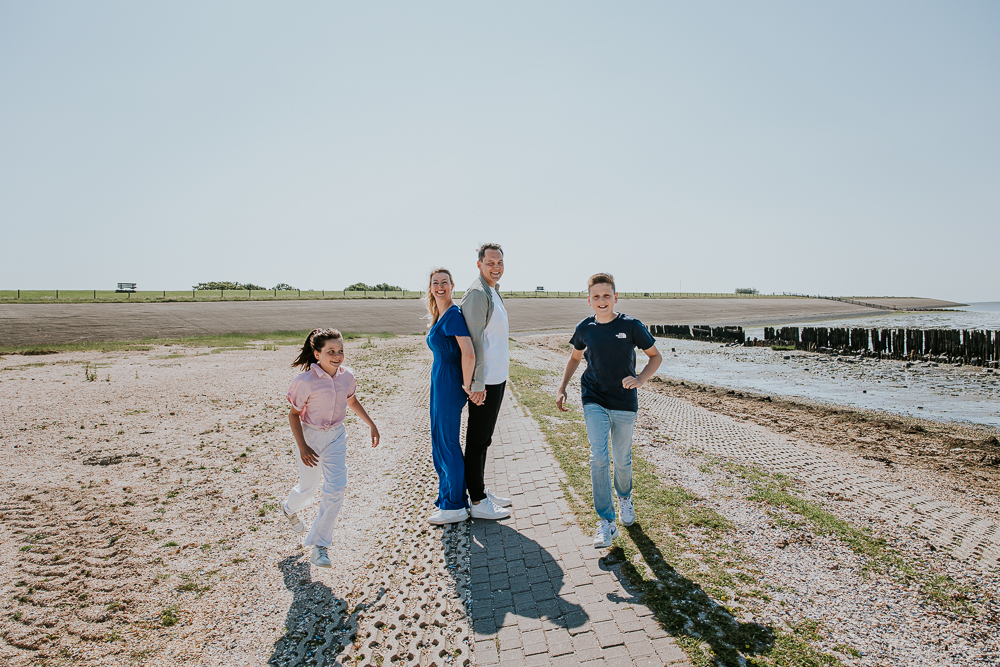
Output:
(331, 448)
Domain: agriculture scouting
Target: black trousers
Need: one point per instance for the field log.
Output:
(479, 437)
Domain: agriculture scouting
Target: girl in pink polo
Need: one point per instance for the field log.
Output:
(320, 397)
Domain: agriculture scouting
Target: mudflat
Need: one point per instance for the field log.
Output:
(25, 324)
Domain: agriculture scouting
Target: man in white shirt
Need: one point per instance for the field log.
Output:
(486, 318)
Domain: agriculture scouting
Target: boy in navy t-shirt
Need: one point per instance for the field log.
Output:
(610, 401)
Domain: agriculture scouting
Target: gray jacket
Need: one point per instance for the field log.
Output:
(477, 309)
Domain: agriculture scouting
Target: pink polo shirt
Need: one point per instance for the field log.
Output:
(320, 399)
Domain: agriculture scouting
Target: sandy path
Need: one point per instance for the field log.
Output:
(156, 487)
(23, 324)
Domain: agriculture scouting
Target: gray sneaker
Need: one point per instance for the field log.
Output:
(487, 510)
(319, 557)
(626, 511)
(499, 501)
(442, 517)
(294, 520)
(605, 535)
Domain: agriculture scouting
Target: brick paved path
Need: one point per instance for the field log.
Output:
(540, 595)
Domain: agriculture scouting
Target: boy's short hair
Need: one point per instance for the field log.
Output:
(489, 246)
(601, 279)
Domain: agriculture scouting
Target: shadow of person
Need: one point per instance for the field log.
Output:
(683, 608)
(521, 578)
(318, 626)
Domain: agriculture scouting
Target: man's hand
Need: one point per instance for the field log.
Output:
(375, 436)
(478, 397)
(308, 456)
(631, 382)
(560, 399)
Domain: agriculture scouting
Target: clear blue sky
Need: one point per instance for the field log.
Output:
(835, 148)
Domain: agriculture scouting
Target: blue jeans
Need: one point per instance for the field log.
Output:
(616, 426)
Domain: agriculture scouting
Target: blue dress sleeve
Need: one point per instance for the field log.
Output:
(453, 324)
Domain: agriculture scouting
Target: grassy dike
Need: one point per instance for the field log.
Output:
(228, 341)
(696, 587)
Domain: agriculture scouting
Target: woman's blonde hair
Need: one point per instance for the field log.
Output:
(432, 305)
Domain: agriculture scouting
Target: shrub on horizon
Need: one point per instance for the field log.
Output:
(220, 285)
(284, 287)
(381, 287)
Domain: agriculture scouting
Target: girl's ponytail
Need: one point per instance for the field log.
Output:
(314, 343)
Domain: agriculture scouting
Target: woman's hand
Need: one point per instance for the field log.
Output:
(375, 436)
(631, 382)
(477, 397)
(308, 456)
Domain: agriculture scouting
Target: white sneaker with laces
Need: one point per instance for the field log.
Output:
(294, 520)
(626, 511)
(487, 510)
(499, 501)
(605, 535)
(319, 557)
(442, 517)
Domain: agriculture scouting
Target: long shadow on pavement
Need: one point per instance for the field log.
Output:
(318, 626)
(683, 608)
(513, 575)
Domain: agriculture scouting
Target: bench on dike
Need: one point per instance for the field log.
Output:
(125, 287)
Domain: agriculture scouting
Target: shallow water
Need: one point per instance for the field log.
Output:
(941, 393)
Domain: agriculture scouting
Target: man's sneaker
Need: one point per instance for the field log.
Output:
(499, 501)
(294, 520)
(487, 510)
(442, 517)
(626, 511)
(319, 557)
(605, 535)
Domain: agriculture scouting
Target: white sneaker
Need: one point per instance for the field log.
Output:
(442, 517)
(499, 501)
(487, 510)
(294, 520)
(626, 512)
(319, 557)
(605, 535)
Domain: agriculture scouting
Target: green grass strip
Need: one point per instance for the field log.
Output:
(234, 341)
(776, 491)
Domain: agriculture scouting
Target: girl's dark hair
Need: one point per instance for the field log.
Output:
(314, 343)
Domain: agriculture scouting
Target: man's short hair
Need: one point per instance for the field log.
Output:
(489, 246)
(601, 279)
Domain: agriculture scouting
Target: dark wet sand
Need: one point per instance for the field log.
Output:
(25, 324)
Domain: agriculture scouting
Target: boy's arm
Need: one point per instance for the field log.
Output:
(571, 365)
(654, 362)
(474, 310)
(355, 405)
(305, 451)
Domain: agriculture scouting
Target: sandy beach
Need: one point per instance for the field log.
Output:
(140, 523)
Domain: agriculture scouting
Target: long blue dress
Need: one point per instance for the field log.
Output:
(447, 400)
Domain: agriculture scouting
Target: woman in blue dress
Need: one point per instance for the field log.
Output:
(451, 379)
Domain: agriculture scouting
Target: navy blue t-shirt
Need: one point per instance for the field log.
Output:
(610, 355)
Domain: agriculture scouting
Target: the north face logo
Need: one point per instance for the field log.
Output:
(621, 335)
